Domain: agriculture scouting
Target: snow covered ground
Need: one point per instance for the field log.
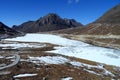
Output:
(20, 45)
(98, 54)
(48, 38)
(1, 57)
(46, 60)
(75, 48)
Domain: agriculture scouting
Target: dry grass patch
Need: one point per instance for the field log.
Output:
(83, 61)
(51, 72)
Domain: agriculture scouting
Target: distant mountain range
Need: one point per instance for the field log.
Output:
(5, 31)
(50, 22)
(109, 23)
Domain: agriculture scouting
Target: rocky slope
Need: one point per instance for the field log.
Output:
(5, 31)
(49, 22)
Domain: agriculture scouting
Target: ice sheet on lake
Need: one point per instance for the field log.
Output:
(75, 48)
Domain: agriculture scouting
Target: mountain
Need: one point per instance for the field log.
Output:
(5, 31)
(104, 32)
(50, 22)
(109, 23)
(112, 16)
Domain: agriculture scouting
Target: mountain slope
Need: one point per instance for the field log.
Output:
(106, 26)
(5, 31)
(109, 23)
(112, 16)
(49, 22)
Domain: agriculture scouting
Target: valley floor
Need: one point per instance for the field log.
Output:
(51, 57)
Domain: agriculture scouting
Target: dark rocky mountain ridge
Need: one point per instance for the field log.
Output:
(5, 31)
(50, 22)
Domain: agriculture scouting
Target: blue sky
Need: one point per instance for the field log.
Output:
(15, 12)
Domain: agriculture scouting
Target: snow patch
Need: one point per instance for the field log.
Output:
(24, 75)
(48, 60)
(67, 78)
(20, 45)
(1, 57)
(87, 68)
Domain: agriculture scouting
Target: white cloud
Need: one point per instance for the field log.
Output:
(72, 1)
(76, 1)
